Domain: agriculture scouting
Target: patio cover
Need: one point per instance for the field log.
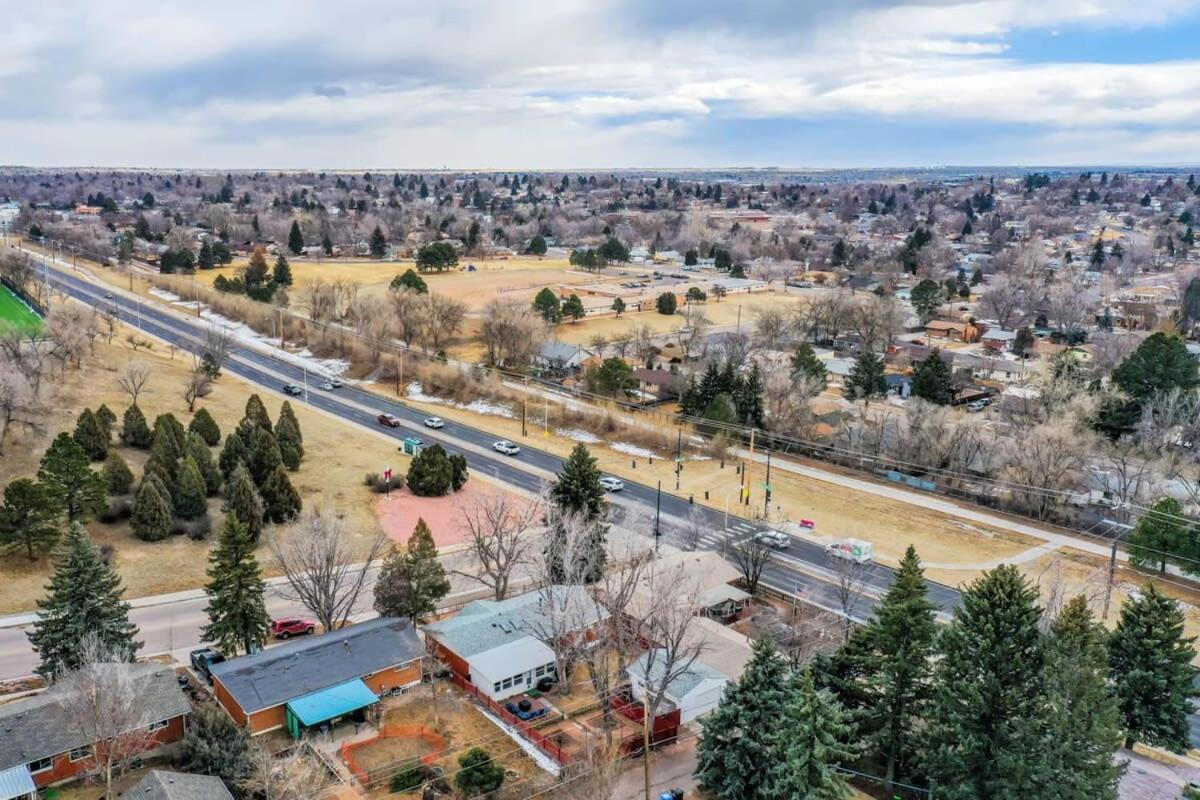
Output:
(16, 782)
(317, 707)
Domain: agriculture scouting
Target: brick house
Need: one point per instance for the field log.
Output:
(318, 680)
(40, 745)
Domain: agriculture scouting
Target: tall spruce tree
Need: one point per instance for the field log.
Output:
(286, 412)
(577, 491)
(287, 437)
(91, 436)
(107, 420)
(281, 501)
(814, 739)
(190, 490)
(152, 509)
(412, 580)
(806, 364)
(233, 453)
(67, 471)
(932, 380)
(739, 739)
(988, 716)
(31, 518)
(264, 455)
(866, 378)
(83, 602)
(170, 424)
(236, 608)
(295, 239)
(1150, 661)
(199, 452)
(748, 398)
(1085, 727)
(282, 274)
(204, 425)
(896, 683)
(1161, 535)
(134, 430)
(256, 412)
(118, 477)
(243, 501)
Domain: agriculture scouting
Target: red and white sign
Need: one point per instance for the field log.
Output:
(387, 474)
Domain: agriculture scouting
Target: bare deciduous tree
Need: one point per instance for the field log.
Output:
(133, 378)
(441, 320)
(197, 384)
(296, 773)
(323, 574)
(750, 556)
(218, 345)
(499, 526)
(18, 401)
(851, 586)
(511, 332)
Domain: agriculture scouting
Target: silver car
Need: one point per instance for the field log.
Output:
(774, 539)
(506, 447)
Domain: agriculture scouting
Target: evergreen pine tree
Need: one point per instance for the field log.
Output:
(190, 490)
(107, 420)
(215, 745)
(281, 502)
(1161, 532)
(813, 740)
(378, 243)
(897, 684)
(204, 424)
(233, 453)
(67, 472)
(236, 609)
(430, 473)
(577, 491)
(134, 430)
(256, 412)
(264, 455)
(287, 436)
(83, 602)
(866, 378)
(805, 363)
(243, 501)
(118, 477)
(164, 446)
(411, 580)
(91, 436)
(170, 424)
(748, 398)
(739, 738)
(205, 259)
(1085, 730)
(198, 451)
(31, 517)
(286, 412)
(151, 519)
(282, 274)
(987, 719)
(932, 380)
(295, 239)
(1150, 661)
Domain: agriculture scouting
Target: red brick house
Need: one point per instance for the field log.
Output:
(40, 742)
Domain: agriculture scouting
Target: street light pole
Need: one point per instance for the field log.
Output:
(657, 515)
(767, 488)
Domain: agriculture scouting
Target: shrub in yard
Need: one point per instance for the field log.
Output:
(117, 474)
(666, 303)
(431, 474)
(458, 468)
(407, 778)
(376, 481)
(479, 774)
(204, 425)
(134, 430)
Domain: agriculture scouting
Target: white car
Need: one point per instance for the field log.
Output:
(612, 484)
(774, 539)
(434, 422)
(506, 447)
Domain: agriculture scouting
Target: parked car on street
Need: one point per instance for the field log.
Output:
(204, 659)
(775, 539)
(506, 447)
(434, 422)
(292, 389)
(389, 420)
(292, 626)
(612, 484)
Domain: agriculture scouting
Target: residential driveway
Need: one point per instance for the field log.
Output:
(1147, 779)
(670, 768)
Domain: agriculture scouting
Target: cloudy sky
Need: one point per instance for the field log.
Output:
(594, 83)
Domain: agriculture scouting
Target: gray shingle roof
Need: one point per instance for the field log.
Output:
(683, 683)
(160, 784)
(486, 624)
(276, 675)
(38, 727)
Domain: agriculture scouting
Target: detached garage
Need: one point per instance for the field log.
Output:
(694, 692)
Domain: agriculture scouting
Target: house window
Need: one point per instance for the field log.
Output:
(158, 726)
(41, 765)
(495, 687)
(540, 671)
(80, 753)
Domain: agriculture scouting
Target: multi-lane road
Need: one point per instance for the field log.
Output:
(802, 568)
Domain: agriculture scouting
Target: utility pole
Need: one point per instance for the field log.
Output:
(657, 515)
(525, 408)
(767, 488)
(1108, 585)
(646, 738)
(678, 455)
(746, 467)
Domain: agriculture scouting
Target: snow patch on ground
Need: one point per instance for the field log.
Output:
(578, 434)
(416, 392)
(632, 450)
(163, 294)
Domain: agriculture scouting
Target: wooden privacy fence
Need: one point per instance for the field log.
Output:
(525, 729)
(392, 730)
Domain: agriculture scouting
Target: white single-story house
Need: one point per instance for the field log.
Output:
(560, 355)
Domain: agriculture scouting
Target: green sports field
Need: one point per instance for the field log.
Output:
(15, 313)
